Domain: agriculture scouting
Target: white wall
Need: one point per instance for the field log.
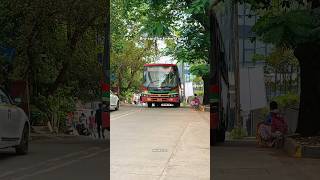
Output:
(189, 89)
(252, 88)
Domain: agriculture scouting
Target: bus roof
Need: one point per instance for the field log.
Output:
(160, 65)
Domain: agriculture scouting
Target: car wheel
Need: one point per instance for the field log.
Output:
(118, 105)
(23, 147)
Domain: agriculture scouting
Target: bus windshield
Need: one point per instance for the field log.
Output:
(161, 76)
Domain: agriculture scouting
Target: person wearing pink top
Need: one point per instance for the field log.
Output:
(195, 103)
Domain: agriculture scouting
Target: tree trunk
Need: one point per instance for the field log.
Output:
(298, 80)
(308, 55)
(281, 83)
(275, 82)
(206, 84)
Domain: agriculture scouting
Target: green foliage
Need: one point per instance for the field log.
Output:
(131, 21)
(54, 108)
(287, 100)
(238, 133)
(200, 70)
(258, 57)
(288, 28)
(199, 93)
(127, 96)
(198, 7)
(56, 43)
(264, 111)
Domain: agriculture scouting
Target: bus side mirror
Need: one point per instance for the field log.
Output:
(17, 101)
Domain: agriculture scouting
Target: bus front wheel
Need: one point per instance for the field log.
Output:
(213, 137)
(149, 105)
(221, 135)
(217, 136)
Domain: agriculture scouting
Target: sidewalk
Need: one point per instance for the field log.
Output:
(242, 160)
(44, 135)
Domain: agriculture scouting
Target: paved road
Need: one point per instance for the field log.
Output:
(242, 160)
(159, 143)
(72, 158)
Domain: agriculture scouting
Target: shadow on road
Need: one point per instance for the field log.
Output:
(237, 143)
(7, 154)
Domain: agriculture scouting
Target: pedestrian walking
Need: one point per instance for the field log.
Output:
(92, 124)
(98, 118)
(105, 121)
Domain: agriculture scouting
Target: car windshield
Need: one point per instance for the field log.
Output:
(161, 76)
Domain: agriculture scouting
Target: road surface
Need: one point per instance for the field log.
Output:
(69, 158)
(159, 143)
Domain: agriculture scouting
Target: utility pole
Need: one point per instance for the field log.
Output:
(236, 62)
(106, 59)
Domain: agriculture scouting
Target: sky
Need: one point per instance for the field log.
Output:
(164, 59)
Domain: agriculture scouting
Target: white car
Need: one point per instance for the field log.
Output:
(114, 101)
(14, 125)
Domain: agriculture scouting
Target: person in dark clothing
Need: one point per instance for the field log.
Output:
(98, 118)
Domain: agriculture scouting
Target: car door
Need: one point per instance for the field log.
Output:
(3, 120)
(11, 121)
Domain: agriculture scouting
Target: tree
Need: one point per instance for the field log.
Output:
(127, 65)
(129, 52)
(202, 70)
(296, 25)
(282, 63)
(56, 44)
(188, 31)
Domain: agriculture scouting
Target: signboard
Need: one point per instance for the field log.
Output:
(105, 91)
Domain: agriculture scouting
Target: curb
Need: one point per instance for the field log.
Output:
(297, 150)
(204, 108)
(34, 137)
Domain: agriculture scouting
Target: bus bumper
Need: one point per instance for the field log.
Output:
(160, 99)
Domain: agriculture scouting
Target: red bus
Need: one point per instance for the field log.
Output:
(161, 85)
